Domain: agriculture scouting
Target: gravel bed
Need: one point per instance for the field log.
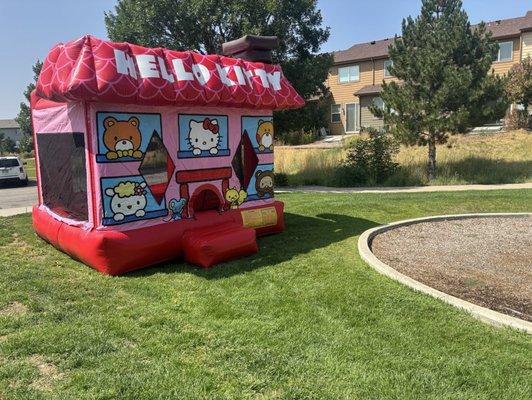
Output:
(487, 261)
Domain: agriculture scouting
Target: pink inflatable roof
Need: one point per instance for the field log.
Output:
(91, 69)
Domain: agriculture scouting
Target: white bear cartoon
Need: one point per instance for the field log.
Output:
(127, 198)
(204, 135)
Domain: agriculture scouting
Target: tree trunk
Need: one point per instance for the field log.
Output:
(431, 167)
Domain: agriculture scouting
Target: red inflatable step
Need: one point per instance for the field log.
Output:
(211, 245)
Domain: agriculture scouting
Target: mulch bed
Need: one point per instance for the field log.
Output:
(487, 261)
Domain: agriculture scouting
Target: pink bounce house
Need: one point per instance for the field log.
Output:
(146, 155)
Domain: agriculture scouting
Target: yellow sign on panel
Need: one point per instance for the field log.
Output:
(259, 217)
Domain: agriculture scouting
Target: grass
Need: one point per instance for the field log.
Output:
(304, 318)
(483, 159)
(30, 168)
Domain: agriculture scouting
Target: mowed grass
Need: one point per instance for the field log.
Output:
(30, 168)
(483, 159)
(304, 318)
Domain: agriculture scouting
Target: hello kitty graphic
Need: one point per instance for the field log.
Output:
(204, 136)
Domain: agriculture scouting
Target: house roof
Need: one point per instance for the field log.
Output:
(8, 124)
(379, 48)
(91, 69)
(510, 27)
(369, 89)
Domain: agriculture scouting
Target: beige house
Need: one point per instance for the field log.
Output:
(357, 73)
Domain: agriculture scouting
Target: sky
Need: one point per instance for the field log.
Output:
(29, 28)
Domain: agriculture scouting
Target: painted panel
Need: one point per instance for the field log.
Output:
(179, 200)
(125, 136)
(203, 136)
(127, 199)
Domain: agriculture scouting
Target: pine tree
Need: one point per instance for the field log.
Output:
(445, 85)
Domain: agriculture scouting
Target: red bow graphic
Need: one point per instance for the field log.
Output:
(211, 125)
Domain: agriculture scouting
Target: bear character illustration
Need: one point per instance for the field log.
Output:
(235, 197)
(122, 138)
(127, 198)
(264, 183)
(264, 135)
(204, 136)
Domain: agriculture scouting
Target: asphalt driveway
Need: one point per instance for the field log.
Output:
(15, 196)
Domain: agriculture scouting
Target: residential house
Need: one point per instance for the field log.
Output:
(11, 129)
(357, 74)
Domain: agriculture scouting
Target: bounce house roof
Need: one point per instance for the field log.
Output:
(91, 69)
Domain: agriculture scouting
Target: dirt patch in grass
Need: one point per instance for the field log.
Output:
(487, 261)
(13, 309)
(48, 373)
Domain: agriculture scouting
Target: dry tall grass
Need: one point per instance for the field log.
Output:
(495, 158)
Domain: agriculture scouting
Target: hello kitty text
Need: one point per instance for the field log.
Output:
(150, 66)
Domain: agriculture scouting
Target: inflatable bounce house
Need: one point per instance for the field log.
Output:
(146, 154)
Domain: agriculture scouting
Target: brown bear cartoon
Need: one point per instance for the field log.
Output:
(264, 135)
(264, 183)
(122, 138)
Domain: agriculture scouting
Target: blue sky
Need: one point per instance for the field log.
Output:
(29, 28)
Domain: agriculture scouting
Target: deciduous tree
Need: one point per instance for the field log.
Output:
(519, 84)
(24, 114)
(203, 25)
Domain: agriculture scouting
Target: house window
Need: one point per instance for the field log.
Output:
(335, 113)
(348, 74)
(377, 102)
(505, 51)
(387, 65)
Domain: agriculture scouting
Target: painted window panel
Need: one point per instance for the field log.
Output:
(124, 137)
(260, 132)
(203, 136)
(261, 184)
(127, 199)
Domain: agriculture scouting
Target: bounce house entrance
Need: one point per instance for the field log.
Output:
(204, 200)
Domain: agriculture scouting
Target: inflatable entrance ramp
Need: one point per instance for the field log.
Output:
(211, 245)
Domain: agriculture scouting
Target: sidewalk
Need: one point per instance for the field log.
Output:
(7, 212)
(407, 189)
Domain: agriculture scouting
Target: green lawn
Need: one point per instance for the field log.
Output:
(305, 318)
(30, 168)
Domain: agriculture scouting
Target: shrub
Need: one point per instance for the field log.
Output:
(280, 179)
(368, 160)
(518, 119)
(294, 138)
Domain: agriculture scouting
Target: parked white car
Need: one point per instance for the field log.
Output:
(12, 169)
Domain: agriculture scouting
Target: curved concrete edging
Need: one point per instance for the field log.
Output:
(482, 313)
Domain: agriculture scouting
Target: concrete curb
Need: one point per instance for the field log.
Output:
(8, 212)
(484, 314)
(406, 189)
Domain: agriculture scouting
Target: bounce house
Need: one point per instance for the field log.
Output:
(145, 155)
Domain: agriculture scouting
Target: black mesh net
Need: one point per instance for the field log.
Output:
(63, 174)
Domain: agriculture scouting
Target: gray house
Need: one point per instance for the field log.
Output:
(10, 128)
